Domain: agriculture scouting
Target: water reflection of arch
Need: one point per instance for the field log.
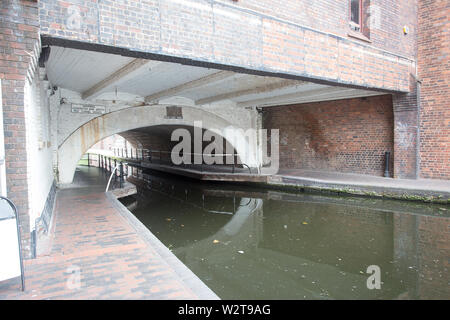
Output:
(244, 230)
(247, 212)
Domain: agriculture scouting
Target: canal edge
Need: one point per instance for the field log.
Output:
(194, 283)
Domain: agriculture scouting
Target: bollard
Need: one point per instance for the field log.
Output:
(88, 160)
(387, 156)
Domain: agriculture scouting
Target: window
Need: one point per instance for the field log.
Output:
(355, 14)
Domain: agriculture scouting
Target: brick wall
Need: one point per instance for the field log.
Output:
(19, 45)
(434, 71)
(343, 135)
(405, 134)
(385, 32)
(269, 36)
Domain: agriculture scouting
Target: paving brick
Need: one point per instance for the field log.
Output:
(114, 264)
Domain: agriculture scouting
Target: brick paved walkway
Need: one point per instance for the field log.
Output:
(115, 262)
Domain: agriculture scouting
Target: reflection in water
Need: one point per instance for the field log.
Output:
(253, 244)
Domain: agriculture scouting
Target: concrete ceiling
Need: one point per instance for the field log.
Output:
(99, 76)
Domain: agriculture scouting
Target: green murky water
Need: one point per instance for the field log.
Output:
(257, 244)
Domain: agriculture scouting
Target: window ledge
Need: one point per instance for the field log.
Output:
(358, 36)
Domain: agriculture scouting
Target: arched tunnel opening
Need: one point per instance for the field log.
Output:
(160, 145)
(192, 148)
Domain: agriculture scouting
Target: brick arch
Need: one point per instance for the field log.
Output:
(93, 131)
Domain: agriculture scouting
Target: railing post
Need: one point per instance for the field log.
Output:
(115, 173)
(121, 175)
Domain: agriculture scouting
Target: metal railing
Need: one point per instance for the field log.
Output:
(164, 158)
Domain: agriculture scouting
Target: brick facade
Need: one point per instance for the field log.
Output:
(19, 50)
(383, 23)
(405, 134)
(434, 72)
(248, 34)
(343, 135)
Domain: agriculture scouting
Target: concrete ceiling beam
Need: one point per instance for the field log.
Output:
(122, 74)
(317, 95)
(215, 77)
(260, 89)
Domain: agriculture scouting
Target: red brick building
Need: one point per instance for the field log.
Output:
(377, 71)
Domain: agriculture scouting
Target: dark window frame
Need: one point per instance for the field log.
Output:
(353, 25)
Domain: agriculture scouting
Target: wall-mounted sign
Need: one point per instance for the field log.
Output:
(88, 108)
(174, 112)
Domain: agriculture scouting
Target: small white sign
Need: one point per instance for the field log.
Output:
(9, 250)
(88, 108)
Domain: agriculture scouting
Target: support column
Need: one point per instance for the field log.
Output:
(406, 164)
(19, 52)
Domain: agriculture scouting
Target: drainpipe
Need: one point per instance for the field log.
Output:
(2, 149)
(419, 108)
(418, 89)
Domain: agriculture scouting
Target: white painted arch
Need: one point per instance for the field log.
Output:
(93, 131)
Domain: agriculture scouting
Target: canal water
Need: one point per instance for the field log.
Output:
(247, 243)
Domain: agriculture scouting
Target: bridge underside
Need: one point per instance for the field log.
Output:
(95, 94)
